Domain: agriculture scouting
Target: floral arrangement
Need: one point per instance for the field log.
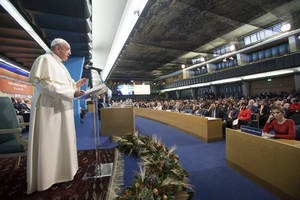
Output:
(161, 176)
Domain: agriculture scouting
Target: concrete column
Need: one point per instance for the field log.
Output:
(167, 95)
(211, 67)
(177, 94)
(241, 59)
(193, 91)
(294, 43)
(245, 88)
(297, 82)
(186, 74)
(213, 89)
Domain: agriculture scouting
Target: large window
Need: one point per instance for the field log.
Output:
(223, 50)
(263, 34)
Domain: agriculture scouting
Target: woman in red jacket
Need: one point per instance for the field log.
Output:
(282, 127)
(244, 116)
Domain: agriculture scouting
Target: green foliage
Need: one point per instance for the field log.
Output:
(161, 176)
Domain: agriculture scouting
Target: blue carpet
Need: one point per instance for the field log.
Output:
(85, 135)
(206, 163)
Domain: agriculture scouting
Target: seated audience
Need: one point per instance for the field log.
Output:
(264, 111)
(27, 102)
(21, 107)
(244, 116)
(294, 111)
(214, 111)
(251, 106)
(282, 127)
(230, 115)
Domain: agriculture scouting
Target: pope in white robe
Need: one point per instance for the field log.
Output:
(52, 151)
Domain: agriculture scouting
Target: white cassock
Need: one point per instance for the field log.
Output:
(52, 152)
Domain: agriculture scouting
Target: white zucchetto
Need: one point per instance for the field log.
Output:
(57, 41)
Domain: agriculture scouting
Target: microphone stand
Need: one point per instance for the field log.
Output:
(99, 170)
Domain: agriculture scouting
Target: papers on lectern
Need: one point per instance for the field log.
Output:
(97, 90)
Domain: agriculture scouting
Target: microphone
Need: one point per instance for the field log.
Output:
(89, 67)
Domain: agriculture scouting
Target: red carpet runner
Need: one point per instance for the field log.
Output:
(13, 181)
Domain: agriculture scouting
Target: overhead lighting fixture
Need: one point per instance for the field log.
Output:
(126, 25)
(182, 66)
(228, 80)
(267, 74)
(15, 66)
(236, 79)
(20, 19)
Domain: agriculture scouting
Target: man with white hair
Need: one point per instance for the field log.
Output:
(52, 152)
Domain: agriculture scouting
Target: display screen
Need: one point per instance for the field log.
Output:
(141, 89)
(125, 89)
(128, 89)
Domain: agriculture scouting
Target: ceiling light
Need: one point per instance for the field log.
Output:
(182, 66)
(20, 19)
(15, 66)
(267, 74)
(228, 80)
(235, 79)
(126, 25)
(285, 27)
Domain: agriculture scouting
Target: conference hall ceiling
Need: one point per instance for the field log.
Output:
(168, 33)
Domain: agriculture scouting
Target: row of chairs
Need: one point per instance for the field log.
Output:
(11, 141)
(269, 53)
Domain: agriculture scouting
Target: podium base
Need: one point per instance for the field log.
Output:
(98, 171)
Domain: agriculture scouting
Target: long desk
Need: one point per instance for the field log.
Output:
(274, 163)
(208, 129)
(117, 121)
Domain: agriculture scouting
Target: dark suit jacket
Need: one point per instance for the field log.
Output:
(219, 113)
(234, 114)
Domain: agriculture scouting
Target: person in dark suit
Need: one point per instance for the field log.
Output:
(22, 110)
(214, 111)
(20, 106)
(230, 115)
(264, 112)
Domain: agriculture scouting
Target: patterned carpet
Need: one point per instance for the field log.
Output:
(13, 181)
